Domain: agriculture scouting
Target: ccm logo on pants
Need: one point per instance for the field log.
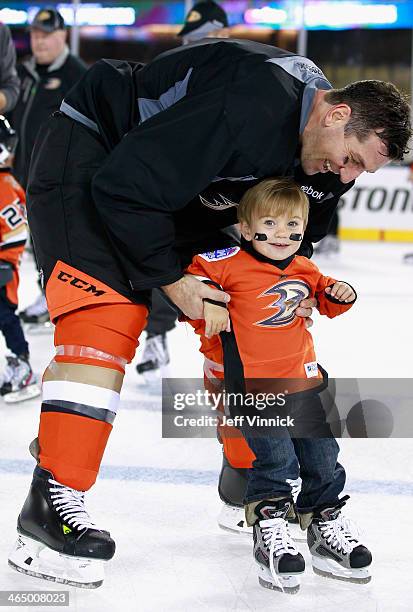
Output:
(79, 283)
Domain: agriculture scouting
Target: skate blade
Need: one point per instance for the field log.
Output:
(289, 590)
(327, 568)
(289, 583)
(35, 559)
(22, 395)
(232, 519)
(350, 578)
(236, 529)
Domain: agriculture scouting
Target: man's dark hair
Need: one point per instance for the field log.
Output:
(376, 106)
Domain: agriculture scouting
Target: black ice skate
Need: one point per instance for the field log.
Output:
(57, 539)
(154, 357)
(279, 562)
(19, 383)
(334, 544)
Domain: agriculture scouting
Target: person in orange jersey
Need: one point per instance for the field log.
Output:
(18, 382)
(262, 338)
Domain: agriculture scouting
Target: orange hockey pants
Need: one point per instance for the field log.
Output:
(81, 388)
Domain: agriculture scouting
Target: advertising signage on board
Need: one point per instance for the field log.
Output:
(284, 14)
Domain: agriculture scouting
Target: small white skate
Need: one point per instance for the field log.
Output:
(19, 383)
(154, 359)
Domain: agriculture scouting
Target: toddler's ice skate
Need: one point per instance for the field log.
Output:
(57, 539)
(19, 382)
(280, 564)
(155, 356)
(335, 547)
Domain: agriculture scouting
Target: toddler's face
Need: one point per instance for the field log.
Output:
(278, 230)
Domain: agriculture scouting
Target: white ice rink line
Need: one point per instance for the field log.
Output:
(156, 475)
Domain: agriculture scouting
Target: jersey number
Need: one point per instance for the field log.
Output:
(12, 216)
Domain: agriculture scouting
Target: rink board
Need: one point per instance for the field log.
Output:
(379, 207)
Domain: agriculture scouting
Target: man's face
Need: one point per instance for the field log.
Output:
(325, 148)
(46, 47)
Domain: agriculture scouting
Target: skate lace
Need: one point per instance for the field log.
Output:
(341, 533)
(70, 505)
(276, 537)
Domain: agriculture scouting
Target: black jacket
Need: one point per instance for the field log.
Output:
(40, 95)
(9, 81)
(186, 135)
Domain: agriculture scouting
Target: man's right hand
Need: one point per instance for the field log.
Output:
(188, 292)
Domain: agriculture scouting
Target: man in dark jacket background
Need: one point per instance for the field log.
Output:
(45, 77)
(9, 81)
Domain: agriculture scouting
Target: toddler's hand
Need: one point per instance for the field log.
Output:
(341, 291)
(216, 319)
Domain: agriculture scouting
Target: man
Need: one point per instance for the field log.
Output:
(204, 20)
(139, 171)
(45, 77)
(9, 81)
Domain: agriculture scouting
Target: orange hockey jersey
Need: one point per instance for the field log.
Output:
(271, 340)
(13, 227)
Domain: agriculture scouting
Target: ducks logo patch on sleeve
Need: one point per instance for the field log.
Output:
(219, 254)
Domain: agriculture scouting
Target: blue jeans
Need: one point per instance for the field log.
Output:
(285, 457)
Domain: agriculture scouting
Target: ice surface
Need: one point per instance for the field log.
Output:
(158, 497)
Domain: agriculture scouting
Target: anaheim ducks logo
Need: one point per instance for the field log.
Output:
(194, 16)
(220, 202)
(289, 294)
